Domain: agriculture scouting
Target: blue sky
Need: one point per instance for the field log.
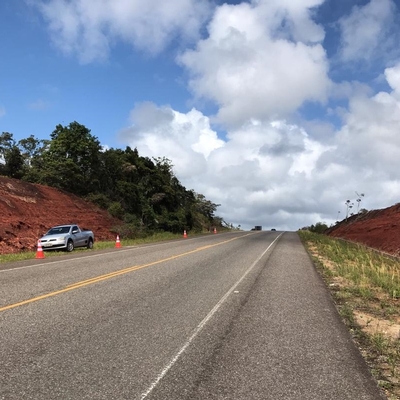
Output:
(279, 110)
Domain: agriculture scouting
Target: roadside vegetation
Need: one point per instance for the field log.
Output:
(156, 237)
(143, 193)
(365, 285)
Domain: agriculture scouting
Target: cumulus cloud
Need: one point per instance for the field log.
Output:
(258, 63)
(89, 28)
(255, 173)
(369, 138)
(393, 78)
(253, 68)
(275, 173)
(186, 139)
(367, 146)
(365, 32)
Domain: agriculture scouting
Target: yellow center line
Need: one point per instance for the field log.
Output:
(110, 275)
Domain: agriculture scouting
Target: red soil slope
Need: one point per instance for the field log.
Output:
(28, 210)
(379, 229)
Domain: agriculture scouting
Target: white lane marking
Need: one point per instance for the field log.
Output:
(202, 324)
(133, 247)
(60, 261)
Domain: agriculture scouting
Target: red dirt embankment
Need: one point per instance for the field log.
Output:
(379, 229)
(28, 210)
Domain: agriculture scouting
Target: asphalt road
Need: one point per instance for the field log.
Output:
(231, 316)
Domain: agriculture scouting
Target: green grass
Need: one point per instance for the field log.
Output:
(156, 237)
(363, 280)
(364, 267)
(100, 245)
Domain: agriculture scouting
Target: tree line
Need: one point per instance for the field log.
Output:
(144, 193)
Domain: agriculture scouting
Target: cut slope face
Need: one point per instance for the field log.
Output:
(379, 229)
(28, 210)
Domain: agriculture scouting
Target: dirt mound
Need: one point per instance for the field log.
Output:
(28, 210)
(378, 229)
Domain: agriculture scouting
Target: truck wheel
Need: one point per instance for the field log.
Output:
(70, 245)
(90, 244)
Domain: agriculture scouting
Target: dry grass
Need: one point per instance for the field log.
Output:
(366, 288)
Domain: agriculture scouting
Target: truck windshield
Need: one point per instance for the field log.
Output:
(57, 230)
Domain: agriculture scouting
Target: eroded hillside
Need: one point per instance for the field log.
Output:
(27, 210)
(379, 229)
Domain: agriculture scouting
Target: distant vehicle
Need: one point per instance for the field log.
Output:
(67, 237)
(258, 228)
(273, 229)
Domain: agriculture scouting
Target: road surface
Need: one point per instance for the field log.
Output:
(235, 316)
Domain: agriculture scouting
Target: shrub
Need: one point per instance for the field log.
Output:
(116, 210)
(99, 199)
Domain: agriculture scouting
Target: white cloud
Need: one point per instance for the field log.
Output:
(393, 78)
(258, 63)
(367, 147)
(274, 173)
(291, 19)
(252, 68)
(257, 171)
(365, 31)
(187, 139)
(39, 105)
(89, 28)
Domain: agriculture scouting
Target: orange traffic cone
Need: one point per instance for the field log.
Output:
(215, 230)
(39, 251)
(118, 243)
(184, 234)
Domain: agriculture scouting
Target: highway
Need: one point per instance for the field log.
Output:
(241, 315)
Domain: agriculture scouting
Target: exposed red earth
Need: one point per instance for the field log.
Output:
(379, 229)
(28, 210)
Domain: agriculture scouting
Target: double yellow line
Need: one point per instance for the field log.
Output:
(110, 275)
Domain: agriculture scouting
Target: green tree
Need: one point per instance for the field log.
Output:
(142, 192)
(14, 163)
(7, 142)
(72, 161)
(11, 160)
(31, 147)
(319, 227)
(205, 207)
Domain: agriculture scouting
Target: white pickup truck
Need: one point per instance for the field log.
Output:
(67, 237)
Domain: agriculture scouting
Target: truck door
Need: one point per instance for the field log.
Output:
(77, 236)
